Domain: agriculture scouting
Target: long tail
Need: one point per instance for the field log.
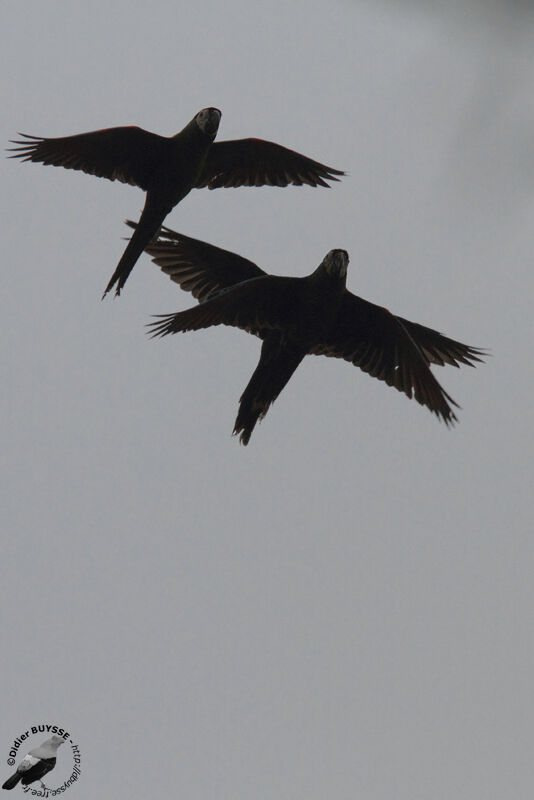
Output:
(11, 782)
(277, 364)
(149, 222)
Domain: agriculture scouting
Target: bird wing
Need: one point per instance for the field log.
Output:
(255, 162)
(128, 154)
(256, 305)
(38, 770)
(198, 267)
(372, 338)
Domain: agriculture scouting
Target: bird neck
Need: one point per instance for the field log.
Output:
(191, 135)
(329, 283)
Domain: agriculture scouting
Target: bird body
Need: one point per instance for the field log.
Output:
(295, 317)
(167, 168)
(36, 764)
(177, 169)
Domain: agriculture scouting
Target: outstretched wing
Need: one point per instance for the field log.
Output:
(255, 162)
(395, 351)
(198, 267)
(127, 154)
(255, 306)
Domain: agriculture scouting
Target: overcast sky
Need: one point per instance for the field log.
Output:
(342, 609)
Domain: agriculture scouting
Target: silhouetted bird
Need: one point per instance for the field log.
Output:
(296, 317)
(167, 168)
(36, 764)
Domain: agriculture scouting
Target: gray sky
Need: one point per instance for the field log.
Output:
(344, 607)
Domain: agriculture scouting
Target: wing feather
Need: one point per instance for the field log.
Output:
(196, 266)
(127, 154)
(441, 350)
(396, 351)
(256, 306)
(256, 162)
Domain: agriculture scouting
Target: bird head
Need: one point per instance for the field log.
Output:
(208, 121)
(335, 263)
(55, 741)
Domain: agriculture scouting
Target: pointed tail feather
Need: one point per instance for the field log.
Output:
(148, 225)
(277, 364)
